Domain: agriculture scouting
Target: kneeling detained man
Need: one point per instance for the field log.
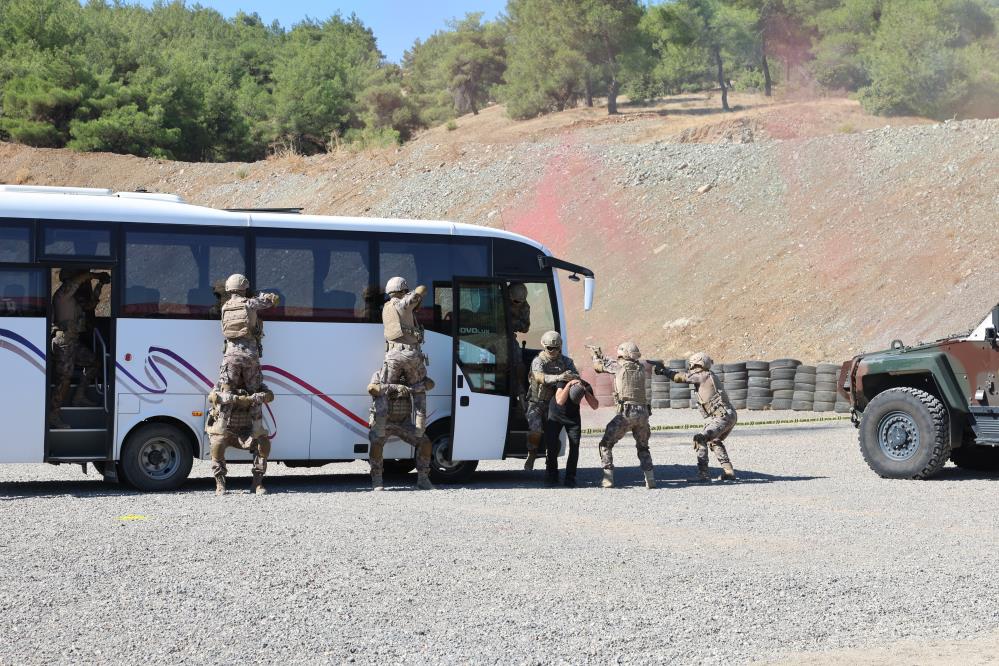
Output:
(392, 415)
(236, 419)
(716, 410)
(632, 410)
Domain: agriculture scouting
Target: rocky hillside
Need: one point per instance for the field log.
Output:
(799, 228)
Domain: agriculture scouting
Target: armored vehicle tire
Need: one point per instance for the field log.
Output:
(976, 457)
(156, 457)
(905, 434)
(442, 468)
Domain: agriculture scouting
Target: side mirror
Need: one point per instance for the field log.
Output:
(995, 317)
(990, 336)
(589, 285)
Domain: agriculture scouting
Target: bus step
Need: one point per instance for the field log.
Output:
(84, 418)
(79, 443)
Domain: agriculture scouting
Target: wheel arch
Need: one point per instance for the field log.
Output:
(192, 438)
(926, 381)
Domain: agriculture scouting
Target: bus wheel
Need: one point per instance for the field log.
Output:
(442, 468)
(156, 456)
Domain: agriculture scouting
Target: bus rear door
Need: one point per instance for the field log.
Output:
(481, 369)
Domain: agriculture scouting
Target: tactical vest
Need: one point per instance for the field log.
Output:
(712, 400)
(238, 321)
(401, 326)
(629, 383)
(543, 392)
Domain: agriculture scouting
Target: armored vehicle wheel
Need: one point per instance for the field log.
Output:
(156, 456)
(976, 457)
(904, 434)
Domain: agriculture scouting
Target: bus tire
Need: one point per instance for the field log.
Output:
(442, 468)
(156, 457)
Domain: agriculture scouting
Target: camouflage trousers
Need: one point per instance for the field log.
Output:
(240, 370)
(69, 354)
(537, 415)
(404, 364)
(715, 431)
(407, 432)
(633, 418)
(260, 447)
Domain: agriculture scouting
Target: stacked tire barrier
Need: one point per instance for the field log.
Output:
(782, 373)
(679, 394)
(736, 384)
(658, 388)
(825, 387)
(803, 399)
(759, 395)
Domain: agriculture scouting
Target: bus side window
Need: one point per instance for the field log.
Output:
(22, 293)
(15, 244)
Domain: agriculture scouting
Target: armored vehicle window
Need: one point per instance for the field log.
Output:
(175, 273)
(15, 244)
(22, 293)
(327, 279)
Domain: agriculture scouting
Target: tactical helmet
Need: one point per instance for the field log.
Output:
(396, 284)
(629, 350)
(700, 360)
(237, 282)
(551, 340)
(69, 273)
(518, 292)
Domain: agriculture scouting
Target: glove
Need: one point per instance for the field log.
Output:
(568, 375)
(243, 401)
(420, 290)
(402, 391)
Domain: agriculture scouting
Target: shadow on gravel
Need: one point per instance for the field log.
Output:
(959, 474)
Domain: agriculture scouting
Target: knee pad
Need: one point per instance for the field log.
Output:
(700, 439)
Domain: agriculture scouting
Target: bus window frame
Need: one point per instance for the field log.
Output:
(43, 224)
(118, 304)
(22, 223)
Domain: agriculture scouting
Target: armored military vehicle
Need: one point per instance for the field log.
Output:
(918, 406)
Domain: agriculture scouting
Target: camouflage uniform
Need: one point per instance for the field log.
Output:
(69, 320)
(632, 414)
(720, 419)
(236, 419)
(240, 368)
(404, 360)
(392, 415)
(546, 371)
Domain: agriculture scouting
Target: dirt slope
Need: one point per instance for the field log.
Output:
(798, 228)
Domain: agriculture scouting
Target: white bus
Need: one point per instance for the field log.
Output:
(158, 335)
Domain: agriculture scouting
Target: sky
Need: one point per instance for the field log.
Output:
(396, 23)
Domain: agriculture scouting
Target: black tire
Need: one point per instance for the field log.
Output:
(736, 385)
(759, 392)
(733, 367)
(660, 404)
(823, 406)
(804, 386)
(156, 457)
(400, 467)
(784, 395)
(842, 408)
(758, 404)
(782, 385)
(913, 426)
(780, 404)
(679, 404)
(442, 469)
(757, 366)
(976, 457)
(782, 373)
(825, 386)
(679, 395)
(805, 369)
(738, 404)
(763, 382)
(827, 369)
(738, 394)
(825, 396)
(803, 396)
(784, 363)
(801, 406)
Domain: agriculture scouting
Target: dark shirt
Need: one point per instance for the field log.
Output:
(569, 412)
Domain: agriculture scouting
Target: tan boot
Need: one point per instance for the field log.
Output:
(376, 482)
(257, 485)
(423, 481)
(728, 473)
(608, 480)
(650, 479)
(220, 485)
(702, 475)
(529, 463)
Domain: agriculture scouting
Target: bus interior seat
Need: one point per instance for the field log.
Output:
(142, 300)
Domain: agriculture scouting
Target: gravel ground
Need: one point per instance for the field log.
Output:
(810, 555)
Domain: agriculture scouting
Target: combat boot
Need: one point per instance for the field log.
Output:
(702, 475)
(55, 421)
(529, 463)
(608, 480)
(376, 482)
(650, 479)
(728, 473)
(423, 481)
(257, 484)
(220, 484)
(80, 398)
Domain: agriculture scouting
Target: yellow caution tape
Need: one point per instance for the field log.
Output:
(700, 426)
(131, 516)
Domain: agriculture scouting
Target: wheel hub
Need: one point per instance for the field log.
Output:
(159, 457)
(898, 436)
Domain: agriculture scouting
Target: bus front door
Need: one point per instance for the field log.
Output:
(481, 369)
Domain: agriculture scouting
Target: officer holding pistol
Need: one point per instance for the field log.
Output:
(548, 368)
